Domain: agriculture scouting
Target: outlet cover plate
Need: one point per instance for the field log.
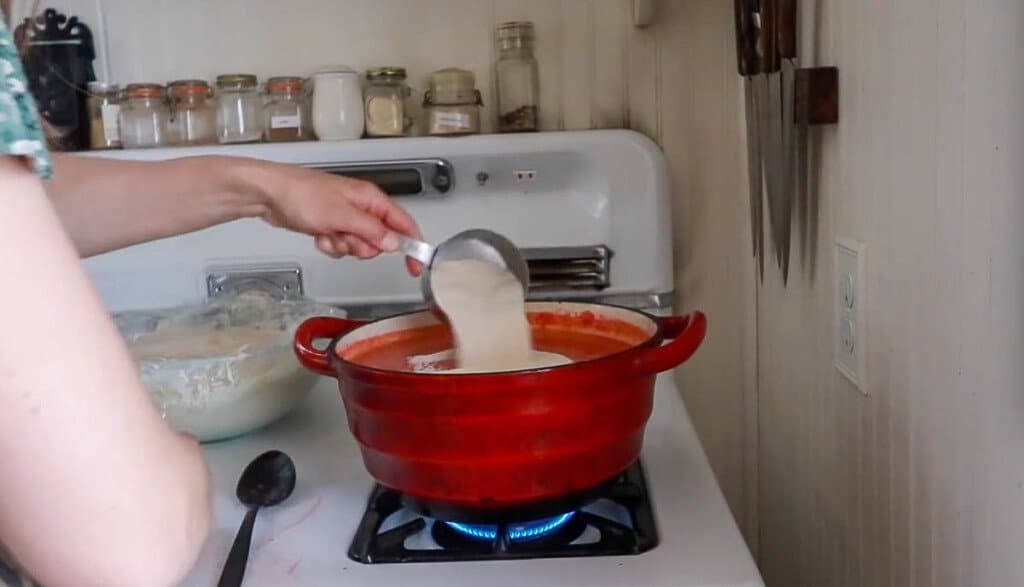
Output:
(850, 312)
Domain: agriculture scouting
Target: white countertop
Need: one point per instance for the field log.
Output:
(304, 541)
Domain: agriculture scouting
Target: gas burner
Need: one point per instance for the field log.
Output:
(615, 520)
(559, 530)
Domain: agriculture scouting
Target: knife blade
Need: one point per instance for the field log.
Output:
(770, 125)
(755, 178)
(773, 148)
(786, 29)
(803, 195)
(747, 33)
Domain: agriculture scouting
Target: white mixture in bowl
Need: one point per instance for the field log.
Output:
(221, 368)
(200, 344)
(486, 309)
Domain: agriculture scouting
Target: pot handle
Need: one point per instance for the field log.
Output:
(686, 333)
(315, 329)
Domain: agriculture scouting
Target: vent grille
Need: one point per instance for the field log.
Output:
(582, 268)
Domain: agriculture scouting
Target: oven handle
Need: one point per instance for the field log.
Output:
(399, 177)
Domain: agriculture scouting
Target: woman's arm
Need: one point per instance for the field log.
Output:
(108, 204)
(95, 489)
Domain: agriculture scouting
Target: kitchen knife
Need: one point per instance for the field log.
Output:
(747, 33)
(786, 29)
(769, 101)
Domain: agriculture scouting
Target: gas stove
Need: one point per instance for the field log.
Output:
(615, 519)
(306, 541)
(591, 211)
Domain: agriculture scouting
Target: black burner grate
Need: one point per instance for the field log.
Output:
(609, 536)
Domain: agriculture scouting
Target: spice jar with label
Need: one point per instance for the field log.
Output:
(285, 113)
(144, 116)
(517, 77)
(104, 106)
(384, 99)
(239, 108)
(193, 118)
(452, 104)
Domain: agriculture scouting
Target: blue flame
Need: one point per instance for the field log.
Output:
(516, 532)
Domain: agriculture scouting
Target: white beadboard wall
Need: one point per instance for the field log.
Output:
(675, 81)
(698, 106)
(920, 482)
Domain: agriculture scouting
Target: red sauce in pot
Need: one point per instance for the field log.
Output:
(580, 337)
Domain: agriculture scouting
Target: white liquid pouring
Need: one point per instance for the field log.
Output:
(487, 312)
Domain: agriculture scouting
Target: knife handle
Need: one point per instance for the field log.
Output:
(786, 27)
(746, 37)
(768, 49)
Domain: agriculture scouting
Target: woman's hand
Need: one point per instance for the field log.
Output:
(345, 216)
(110, 204)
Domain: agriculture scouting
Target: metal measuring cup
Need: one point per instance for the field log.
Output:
(477, 244)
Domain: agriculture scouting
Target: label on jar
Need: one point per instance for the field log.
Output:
(456, 120)
(111, 129)
(284, 121)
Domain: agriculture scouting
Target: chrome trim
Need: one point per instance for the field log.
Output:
(568, 268)
(635, 301)
(559, 253)
(649, 302)
(437, 176)
(281, 280)
(377, 311)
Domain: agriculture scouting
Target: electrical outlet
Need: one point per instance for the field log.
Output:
(524, 175)
(850, 310)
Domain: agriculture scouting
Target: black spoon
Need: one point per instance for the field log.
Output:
(267, 481)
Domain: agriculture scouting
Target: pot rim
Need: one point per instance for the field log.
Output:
(336, 360)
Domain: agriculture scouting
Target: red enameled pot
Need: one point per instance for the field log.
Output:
(492, 442)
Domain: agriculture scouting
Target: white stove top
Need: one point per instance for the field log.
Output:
(304, 541)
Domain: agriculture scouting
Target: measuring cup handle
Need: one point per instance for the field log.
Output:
(416, 249)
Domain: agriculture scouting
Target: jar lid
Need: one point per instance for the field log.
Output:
(98, 87)
(284, 84)
(236, 80)
(385, 71)
(188, 87)
(521, 30)
(145, 90)
(453, 86)
(335, 69)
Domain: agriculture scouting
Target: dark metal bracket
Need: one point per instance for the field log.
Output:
(816, 101)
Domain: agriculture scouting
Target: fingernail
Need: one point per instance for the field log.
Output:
(390, 242)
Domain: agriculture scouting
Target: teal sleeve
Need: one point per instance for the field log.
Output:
(21, 133)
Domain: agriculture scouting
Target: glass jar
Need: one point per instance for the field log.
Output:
(193, 117)
(384, 102)
(452, 104)
(337, 104)
(518, 81)
(285, 114)
(104, 106)
(144, 116)
(239, 108)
